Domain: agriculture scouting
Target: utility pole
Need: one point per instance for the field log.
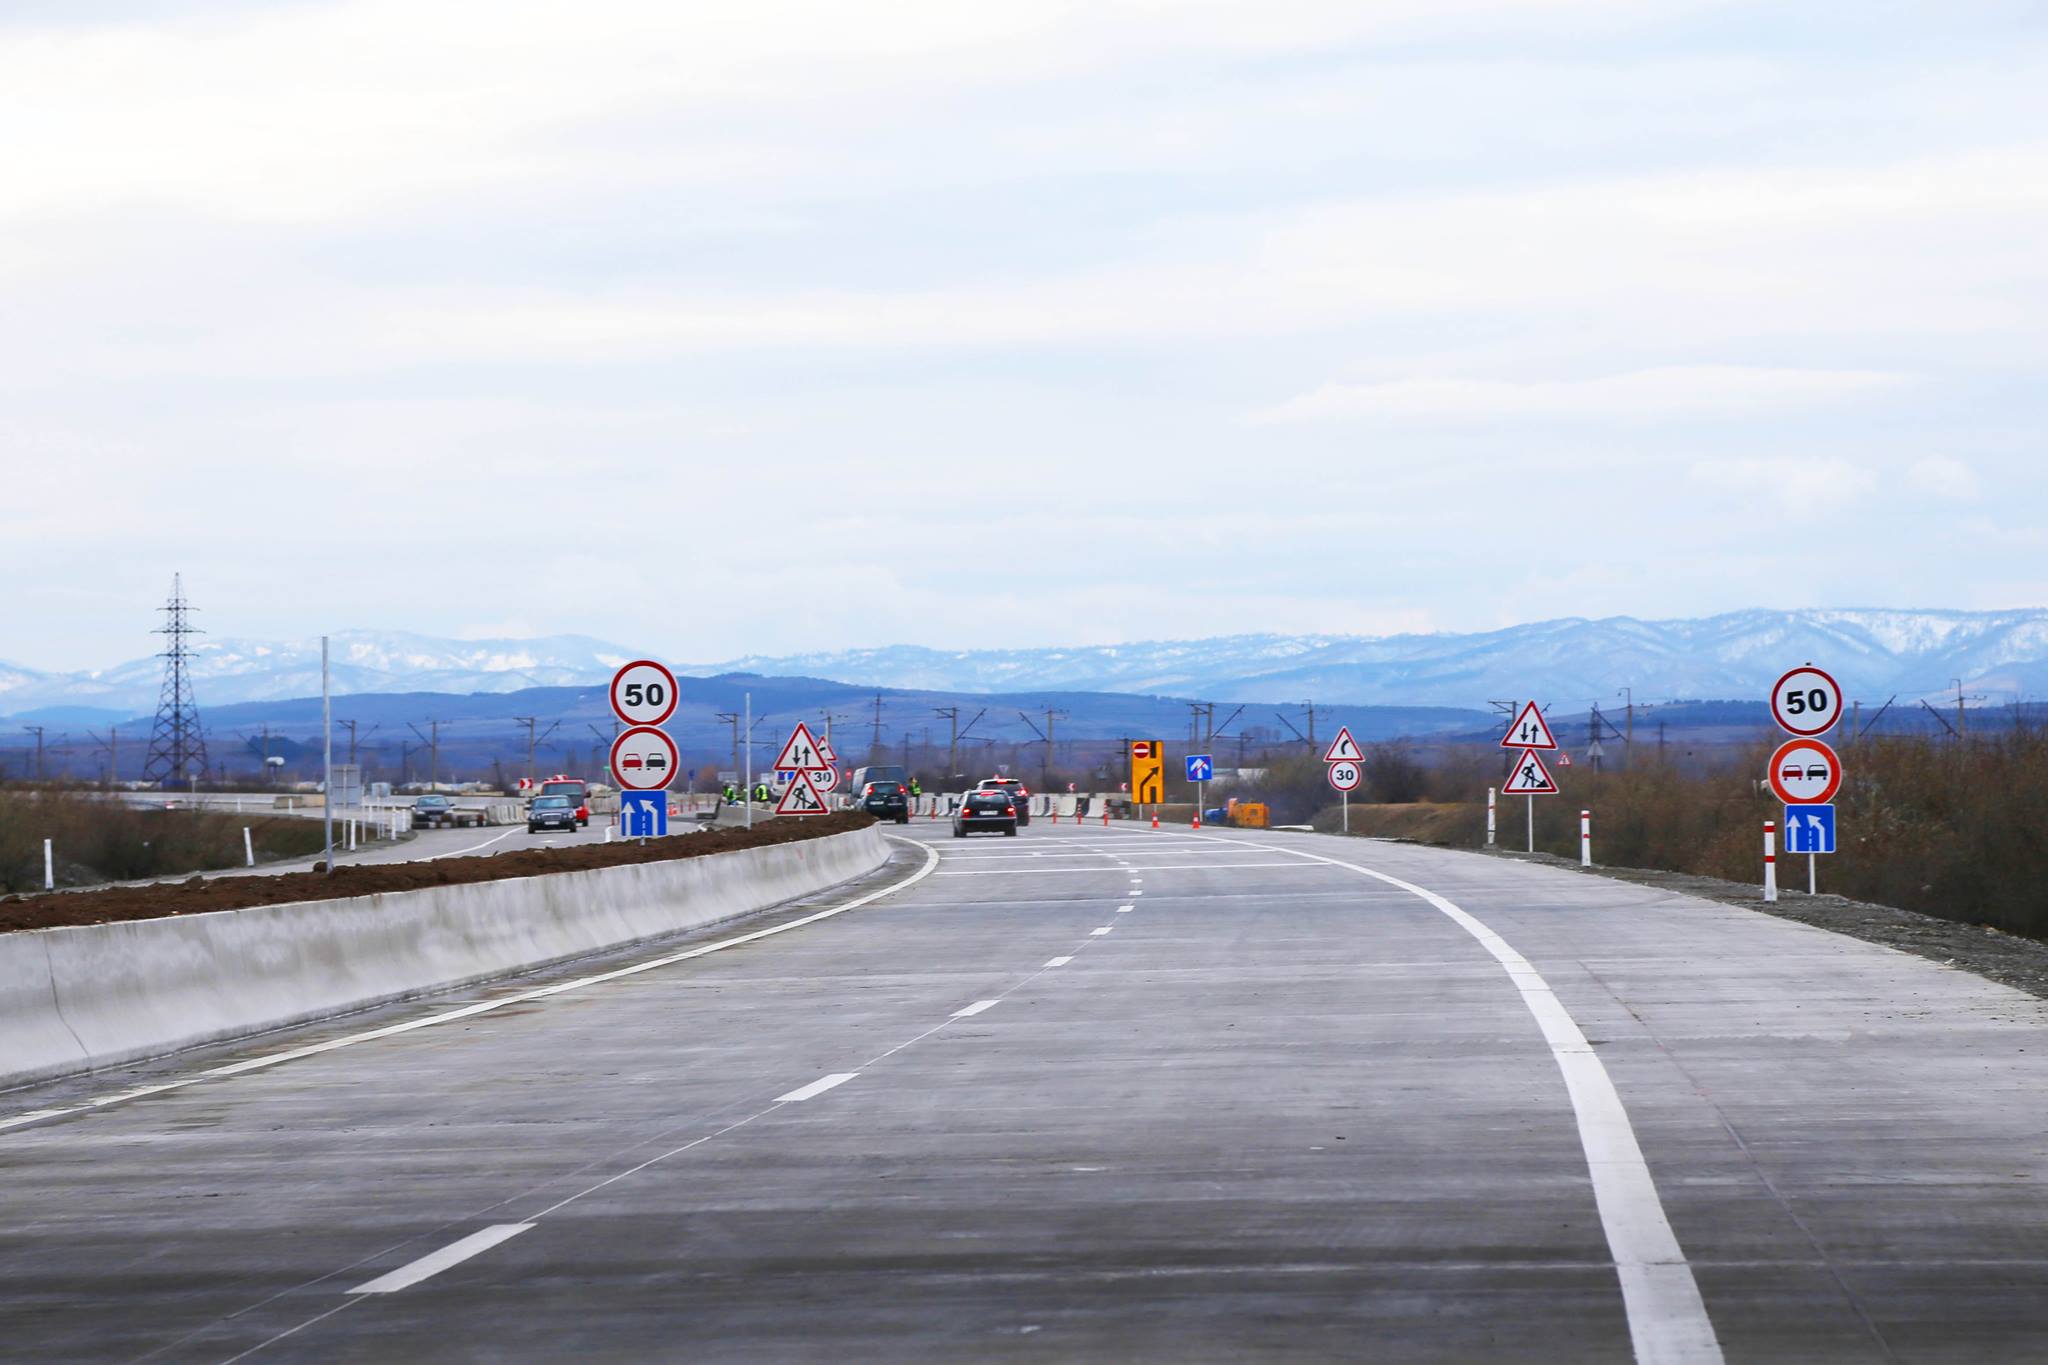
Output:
(1045, 768)
(952, 715)
(875, 745)
(37, 731)
(533, 741)
(111, 747)
(1962, 721)
(352, 725)
(432, 736)
(1629, 736)
(733, 719)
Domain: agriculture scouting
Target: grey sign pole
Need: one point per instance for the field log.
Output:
(327, 758)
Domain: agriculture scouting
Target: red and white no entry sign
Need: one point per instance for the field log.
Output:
(1806, 701)
(1345, 776)
(1805, 772)
(643, 693)
(644, 759)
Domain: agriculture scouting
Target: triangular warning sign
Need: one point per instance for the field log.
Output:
(1530, 731)
(801, 752)
(828, 753)
(800, 798)
(1564, 760)
(1529, 777)
(1344, 749)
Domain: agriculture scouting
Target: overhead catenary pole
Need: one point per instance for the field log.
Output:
(748, 707)
(326, 760)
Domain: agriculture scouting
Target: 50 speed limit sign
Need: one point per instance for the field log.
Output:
(643, 693)
(1806, 701)
(1345, 776)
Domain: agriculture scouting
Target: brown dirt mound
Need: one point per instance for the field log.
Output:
(198, 895)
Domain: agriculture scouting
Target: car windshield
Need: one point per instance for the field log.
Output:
(432, 801)
(564, 788)
(552, 803)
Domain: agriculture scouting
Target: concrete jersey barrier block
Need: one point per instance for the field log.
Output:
(80, 998)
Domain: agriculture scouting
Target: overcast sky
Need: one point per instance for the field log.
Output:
(727, 328)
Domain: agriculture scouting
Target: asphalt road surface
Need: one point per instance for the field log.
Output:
(1089, 1094)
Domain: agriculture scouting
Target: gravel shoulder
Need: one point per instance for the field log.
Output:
(2005, 958)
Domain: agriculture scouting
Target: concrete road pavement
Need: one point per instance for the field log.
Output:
(1094, 1094)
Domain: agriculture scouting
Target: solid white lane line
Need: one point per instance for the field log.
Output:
(1098, 933)
(1060, 961)
(473, 847)
(819, 1086)
(434, 1262)
(976, 1008)
(1667, 1319)
(482, 1007)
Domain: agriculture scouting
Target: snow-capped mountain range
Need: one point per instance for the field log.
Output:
(2001, 656)
(225, 671)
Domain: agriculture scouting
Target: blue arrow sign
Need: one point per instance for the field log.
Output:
(1200, 769)
(1810, 829)
(643, 815)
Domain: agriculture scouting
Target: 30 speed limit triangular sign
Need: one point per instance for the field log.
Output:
(1529, 777)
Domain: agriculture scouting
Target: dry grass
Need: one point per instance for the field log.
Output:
(98, 840)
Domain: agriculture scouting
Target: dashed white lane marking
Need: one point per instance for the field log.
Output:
(482, 1007)
(976, 1008)
(1098, 933)
(1137, 893)
(434, 1262)
(1170, 867)
(819, 1086)
(1125, 909)
(1667, 1319)
(1060, 961)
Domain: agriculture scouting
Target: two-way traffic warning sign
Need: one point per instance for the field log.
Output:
(801, 752)
(1530, 731)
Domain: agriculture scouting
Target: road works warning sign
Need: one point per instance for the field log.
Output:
(800, 797)
(1529, 777)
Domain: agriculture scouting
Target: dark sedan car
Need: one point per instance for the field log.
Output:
(890, 800)
(551, 812)
(1014, 788)
(992, 811)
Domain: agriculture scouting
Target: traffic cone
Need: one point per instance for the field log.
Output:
(1155, 817)
(1105, 815)
(1198, 819)
(1055, 815)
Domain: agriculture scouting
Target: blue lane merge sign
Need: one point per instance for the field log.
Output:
(1200, 769)
(1810, 829)
(643, 815)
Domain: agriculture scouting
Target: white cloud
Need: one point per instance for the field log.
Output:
(1792, 477)
(1944, 478)
(1688, 391)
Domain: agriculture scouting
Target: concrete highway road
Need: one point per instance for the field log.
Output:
(1094, 1094)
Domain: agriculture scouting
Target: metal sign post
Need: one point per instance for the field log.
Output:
(1490, 799)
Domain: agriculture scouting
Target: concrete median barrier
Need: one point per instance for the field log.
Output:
(77, 999)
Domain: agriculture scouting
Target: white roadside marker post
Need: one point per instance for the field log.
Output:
(248, 848)
(1770, 860)
(1585, 838)
(49, 868)
(1812, 875)
(1489, 816)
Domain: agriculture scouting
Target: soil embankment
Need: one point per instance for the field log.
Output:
(200, 895)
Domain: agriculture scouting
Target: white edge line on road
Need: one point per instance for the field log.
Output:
(1060, 961)
(976, 1008)
(818, 1087)
(434, 1262)
(931, 855)
(458, 852)
(1171, 867)
(1667, 1319)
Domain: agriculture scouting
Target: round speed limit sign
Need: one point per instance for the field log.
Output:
(643, 693)
(1346, 776)
(1806, 701)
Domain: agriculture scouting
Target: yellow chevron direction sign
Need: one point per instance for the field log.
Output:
(1148, 771)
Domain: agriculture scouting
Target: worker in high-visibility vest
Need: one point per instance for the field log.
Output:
(731, 793)
(761, 791)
